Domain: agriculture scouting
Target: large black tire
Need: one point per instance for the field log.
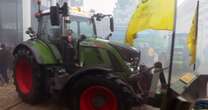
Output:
(28, 79)
(104, 90)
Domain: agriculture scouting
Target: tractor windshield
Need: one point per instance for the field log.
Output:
(81, 25)
(86, 28)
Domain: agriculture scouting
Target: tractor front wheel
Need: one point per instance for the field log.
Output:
(97, 93)
(28, 77)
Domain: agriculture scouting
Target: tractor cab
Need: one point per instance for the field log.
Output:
(66, 27)
(75, 21)
(79, 24)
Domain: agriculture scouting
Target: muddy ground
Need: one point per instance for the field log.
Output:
(10, 101)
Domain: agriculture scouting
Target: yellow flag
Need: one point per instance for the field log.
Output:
(191, 41)
(151, 14)
(192, 36)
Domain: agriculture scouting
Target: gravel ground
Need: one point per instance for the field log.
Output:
(10, 101)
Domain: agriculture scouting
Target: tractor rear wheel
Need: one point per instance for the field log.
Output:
(95, 92)
(27, 77)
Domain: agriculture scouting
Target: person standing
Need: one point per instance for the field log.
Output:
(4, 63)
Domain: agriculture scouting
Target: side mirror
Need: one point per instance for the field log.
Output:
(65, 9)
(54, 15)
(111, 24)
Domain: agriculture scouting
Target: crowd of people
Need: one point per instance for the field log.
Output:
(6, 60)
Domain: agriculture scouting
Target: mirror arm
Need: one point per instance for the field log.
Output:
(31, 33)
(94, 26)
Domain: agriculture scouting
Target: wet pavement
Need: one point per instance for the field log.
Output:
(9, 101)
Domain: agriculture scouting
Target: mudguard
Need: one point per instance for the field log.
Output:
(43, 53)
(128, 91)
(91, 70)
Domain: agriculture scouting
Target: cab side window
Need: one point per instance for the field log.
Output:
(47, 31)
(73, 27)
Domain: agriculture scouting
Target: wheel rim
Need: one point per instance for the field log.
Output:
(98, 98)
(23, 73)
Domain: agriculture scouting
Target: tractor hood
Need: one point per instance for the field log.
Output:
(126, 52)
(129, 54)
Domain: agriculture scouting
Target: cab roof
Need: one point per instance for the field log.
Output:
(72, 12)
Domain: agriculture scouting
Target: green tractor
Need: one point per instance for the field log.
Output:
(67, 55)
